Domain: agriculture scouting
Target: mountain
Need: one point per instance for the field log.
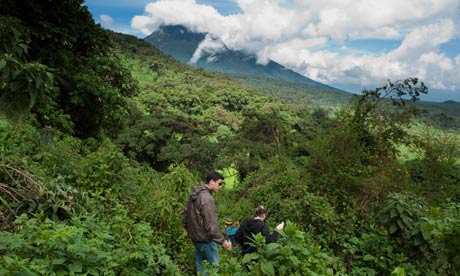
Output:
(182, 43)
(277, 81)
(176, 41)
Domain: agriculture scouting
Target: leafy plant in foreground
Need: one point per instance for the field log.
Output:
(295, 253)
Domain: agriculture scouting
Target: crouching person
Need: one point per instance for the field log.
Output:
(252, 227)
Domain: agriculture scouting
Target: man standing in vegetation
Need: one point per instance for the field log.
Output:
(200, 221)
(252, 227)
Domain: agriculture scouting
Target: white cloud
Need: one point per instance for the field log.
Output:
(339, 18)
(145, 24)
(299, 33)
(200, 18)
(435, 69)
(424, 39)
(106, 20)
(210, 46)
(293, 52)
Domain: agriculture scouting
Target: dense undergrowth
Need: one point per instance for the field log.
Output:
(101, 141)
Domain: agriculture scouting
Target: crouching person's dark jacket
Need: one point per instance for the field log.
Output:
(245, 233)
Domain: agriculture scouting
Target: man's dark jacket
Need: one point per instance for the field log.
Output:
(245, 233)
(200, 217)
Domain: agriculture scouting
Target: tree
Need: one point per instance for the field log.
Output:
(357, 158)
(22, 82)
(61, 36)
(262, 135)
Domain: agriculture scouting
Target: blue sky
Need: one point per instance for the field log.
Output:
(352, 45)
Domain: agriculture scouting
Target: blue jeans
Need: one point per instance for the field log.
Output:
(206, 251)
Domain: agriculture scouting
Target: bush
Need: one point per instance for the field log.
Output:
(87, 244)
(295, 253)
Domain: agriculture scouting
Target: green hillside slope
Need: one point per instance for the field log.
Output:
(275, 80)
(297, 94)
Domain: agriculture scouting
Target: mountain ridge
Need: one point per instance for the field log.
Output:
(181, 43)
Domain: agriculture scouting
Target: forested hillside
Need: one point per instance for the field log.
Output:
(102, 137)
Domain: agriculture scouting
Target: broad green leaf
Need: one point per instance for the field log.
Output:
(58, 261)
(273, 246)
(399, 271)
(295, 261)
(355, 240)
(27, 273)
(267, 268)
(93, 271)
(76, 266)
(282, 270)
(93, 259)
(368, 257)
(248, 257)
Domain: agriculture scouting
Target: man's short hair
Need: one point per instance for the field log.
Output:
(214, 176)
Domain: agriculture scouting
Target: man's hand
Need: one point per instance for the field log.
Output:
(227, 245)
(280, 226)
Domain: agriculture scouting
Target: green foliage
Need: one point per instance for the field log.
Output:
(22, 82)
(88, 88)
(436, 172)
(78, 231)
(414, 239)
(22, 192)
(163, 138)
(106, 86)
(168, 196)
(262, 135)
(358, 157)
(380, 131)
(295, 253)
(375, 254)
(443, 115)
(87, 244)
(400, 216)
(440, 228)
(111, 205)
(347, 171)
(281, 187)
(296, 94)
(18, 141)
(105, 171)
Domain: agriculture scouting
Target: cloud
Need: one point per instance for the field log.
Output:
(424, 39)
(300, 34)
(292, 53)
(199, 18)
(106, 20)
(339, 18)
(210, 46)
(145, 24)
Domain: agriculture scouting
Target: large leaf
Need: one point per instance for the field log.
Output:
(249, 257)
(267, 268)
(76, 267)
